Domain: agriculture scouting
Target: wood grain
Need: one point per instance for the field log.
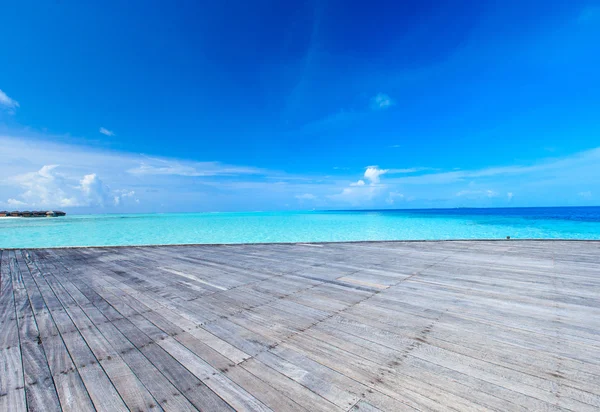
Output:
(374, 326)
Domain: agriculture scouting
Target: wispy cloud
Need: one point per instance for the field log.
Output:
(154, 166)
(15, 203)
(345, 118)
(357, 195)
(393, 197)
(95, 179)
(359, 183)
(588, 160)
(101, 179)
(174, 168)
(121, 196)
(339, 119)
(381, 101)
(589, 14)
(408, 170)
(106, 132)
(306, 196)
(477, 193)
(7, 102)
(557, 179)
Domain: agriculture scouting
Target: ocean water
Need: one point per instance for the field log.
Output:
(315, 226)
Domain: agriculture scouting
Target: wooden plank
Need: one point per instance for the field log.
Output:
(185, 381)
(130, 389)
(163, 392)
(267, 394)
(101, 390)
(12, 384)
(40, 389)
(364, 406)
(340, 380)
(233, 394)
(186, 384)
(338, 396)
(298, 393)
(350, 326)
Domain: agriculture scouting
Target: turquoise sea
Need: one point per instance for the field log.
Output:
(315, 226)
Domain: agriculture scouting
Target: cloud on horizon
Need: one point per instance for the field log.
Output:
(48, 188)
(103, 180)
(359, 192)
(561, 181)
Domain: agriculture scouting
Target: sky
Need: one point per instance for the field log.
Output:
(190, 106)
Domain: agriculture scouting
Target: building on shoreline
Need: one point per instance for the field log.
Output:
(37, 213)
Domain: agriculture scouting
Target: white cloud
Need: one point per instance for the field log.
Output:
(15, 202)
(7, 102)
(381, 102)
(153, 166)
(357, 195)
(155, 181)
(477, 193)
(547, 182)
(122, 195)
(44, 188)
(393, 196)
(94, 191)
(586, 195)
(408, 170)
(217, 186)
(584, 164)
(306, 196)
(359, 192)
(171, 169)
(48, 188)
(372, 174)
(106, 132)
(21, 155)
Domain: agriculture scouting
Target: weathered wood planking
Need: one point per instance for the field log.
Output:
(374, 326)
(12, 383)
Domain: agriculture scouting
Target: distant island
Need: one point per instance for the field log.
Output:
(38, 213)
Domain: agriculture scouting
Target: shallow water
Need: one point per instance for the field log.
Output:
(316, 226)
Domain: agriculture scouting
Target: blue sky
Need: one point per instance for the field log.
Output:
(219, 106)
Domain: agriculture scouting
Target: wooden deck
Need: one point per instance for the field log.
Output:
(505, 325)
